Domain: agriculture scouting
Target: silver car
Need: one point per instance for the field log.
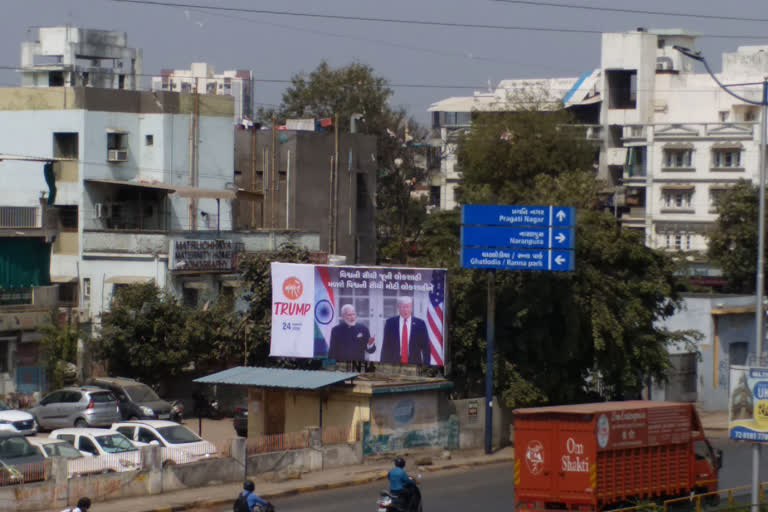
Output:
(84, 406)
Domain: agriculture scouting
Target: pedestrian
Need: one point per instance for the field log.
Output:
(248, 500)
(83, 505)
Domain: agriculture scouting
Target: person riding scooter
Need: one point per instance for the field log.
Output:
(401, 485)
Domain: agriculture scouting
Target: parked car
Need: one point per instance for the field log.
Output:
(22, 422)
(179, 444)
(77, 463)
(240, 421)
(113, 447)
(85, 406)
(137, 401)
(18, 459)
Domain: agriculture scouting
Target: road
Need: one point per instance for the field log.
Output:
(458, 490)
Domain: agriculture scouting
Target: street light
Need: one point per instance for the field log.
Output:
(759, 319)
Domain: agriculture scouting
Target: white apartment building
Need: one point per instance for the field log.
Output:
(671, 140)
(203, 77)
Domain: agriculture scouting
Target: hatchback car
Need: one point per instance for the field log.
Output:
(179, 445)
(85, 406)
(22, 422)
(112, 447)
(137, 401)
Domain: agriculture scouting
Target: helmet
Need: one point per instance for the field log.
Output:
(400, 462)
(249, 486)
(84, 504)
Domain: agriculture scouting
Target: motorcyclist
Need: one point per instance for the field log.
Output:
(398, 481)
(251, 498)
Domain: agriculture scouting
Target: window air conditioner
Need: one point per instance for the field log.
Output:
(117, 155)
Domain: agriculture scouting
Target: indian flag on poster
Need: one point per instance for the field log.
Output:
(325, 311)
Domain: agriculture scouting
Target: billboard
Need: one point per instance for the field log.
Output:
(345, 313)
(748, 404)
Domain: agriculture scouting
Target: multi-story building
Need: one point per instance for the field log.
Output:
(313, 182)
(202, 77)
(671, 140)
(139, 187)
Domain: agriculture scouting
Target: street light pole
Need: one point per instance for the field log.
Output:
(760, 274)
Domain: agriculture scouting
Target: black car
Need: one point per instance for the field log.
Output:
(240, 421)
(19, 459)
(136, 401)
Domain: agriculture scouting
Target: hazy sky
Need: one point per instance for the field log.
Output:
(276, 47)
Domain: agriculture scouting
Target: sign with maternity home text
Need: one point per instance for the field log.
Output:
(748, 404)
(344, 313)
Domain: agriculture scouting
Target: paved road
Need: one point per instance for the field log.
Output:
(458, 490)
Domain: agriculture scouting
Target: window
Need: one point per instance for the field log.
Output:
(677, 241)
(715, 196)
(146, 436)
(622, 88)
(56, 79)
(677, 199)
(117, 140)
(69, 438)
(750, 115)
(190, 297)
(729, 158)
(186, 87)
(149, 140)
(737, 352)
(68, 217)
(68, 293)
(121, 82)
(210, 88)
(126, 431)
(87, 288)
(677, 158)
(635, 164)
(4, 357)
(723, 116)
(65, 145)
(86, 445)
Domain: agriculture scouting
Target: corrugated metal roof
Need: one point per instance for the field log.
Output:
(599, 407)
(276, 377)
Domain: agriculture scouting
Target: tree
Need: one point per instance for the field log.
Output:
(59, 348)
(733, 241)
(557, 333)
(142, 334)
(355, 90)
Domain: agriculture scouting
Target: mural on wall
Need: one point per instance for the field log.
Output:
(408, 421)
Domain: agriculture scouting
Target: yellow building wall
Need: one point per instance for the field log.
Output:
(66, 243)
(302, 410)
(255, 413)
(66, 171)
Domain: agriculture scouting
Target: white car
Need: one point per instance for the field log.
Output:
(77, 463)
(179, 444)
(20, 421)
(111, 447)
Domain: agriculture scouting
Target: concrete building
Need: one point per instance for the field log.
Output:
(670, 139)
(700, 374)
(304, 190)
(203, 77)
(78, 57)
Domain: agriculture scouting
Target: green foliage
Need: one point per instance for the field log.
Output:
(142, 334)
(733, 241)
(59, 349)
(554, 331)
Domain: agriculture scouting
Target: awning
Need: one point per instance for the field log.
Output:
(678, 187)
(128, 279)
(276, 377)
(63, 279)
(181, 190)
(728, 145)
(678, 145)
(195, 285)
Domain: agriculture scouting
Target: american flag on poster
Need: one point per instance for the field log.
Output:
(435, 314)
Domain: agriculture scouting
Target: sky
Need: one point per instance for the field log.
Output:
(424, 63)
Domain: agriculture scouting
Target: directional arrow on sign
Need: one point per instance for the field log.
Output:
(560, 215)
(560, 237)
(559, 260)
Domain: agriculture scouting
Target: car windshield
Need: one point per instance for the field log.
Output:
(177, 434)
(115, 443)
(16, 447)
(4, 407)
(141, 393)
(62, 449)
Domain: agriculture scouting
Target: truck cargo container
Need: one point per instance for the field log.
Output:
(590, 457)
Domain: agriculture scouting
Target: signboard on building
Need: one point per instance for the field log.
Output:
(347, 313)
(748, 404)
(203, 255)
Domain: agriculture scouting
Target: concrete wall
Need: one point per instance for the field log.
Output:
(470, 413)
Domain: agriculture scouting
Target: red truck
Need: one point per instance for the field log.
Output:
(589, 457)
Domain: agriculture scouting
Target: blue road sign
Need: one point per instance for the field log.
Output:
(517, 259)
(517, 215)
(527, 238)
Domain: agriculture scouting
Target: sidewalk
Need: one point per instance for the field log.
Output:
(209, 498)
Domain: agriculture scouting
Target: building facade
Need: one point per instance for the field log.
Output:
(203, 78)
(671, 140)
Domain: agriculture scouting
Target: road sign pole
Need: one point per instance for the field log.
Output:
(491, 321)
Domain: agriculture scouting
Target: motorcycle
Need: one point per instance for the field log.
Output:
(177, 411)
(409, 500)
(205, 408)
